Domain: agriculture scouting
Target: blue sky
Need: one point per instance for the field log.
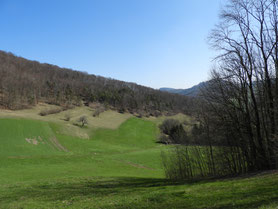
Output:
(156, 43)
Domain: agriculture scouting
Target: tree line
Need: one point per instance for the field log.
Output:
(24, 83)
(238, 115)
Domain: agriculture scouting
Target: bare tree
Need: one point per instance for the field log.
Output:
(239, 115)
(247, 75)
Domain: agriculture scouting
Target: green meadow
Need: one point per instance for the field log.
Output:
(44, 165)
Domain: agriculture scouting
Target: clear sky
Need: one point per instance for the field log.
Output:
(156, 43)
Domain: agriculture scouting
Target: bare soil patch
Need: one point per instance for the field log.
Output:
(32, 141)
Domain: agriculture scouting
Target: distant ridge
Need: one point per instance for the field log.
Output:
(193, 91)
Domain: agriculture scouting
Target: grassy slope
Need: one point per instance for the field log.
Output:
(15, 132)
(108, 119)
(114, 168)
(105, 154)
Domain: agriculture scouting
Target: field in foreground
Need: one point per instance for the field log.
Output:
(126, 192)
(42, 165)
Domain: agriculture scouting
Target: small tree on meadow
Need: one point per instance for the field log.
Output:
(83, 120)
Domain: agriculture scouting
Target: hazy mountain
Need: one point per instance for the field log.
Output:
(193, 91)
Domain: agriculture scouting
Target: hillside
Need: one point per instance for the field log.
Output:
(25, 83)
(46, 161)
(192, 92)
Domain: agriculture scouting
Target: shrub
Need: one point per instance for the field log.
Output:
(173, 132)
(167, 125)
(50, 111)
(121, 110)
(98, 110)
(67, 117)
(164, 139)
(83, 120)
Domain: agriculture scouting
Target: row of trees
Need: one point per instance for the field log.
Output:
(24, 83)
(238, 114)
(243, 95)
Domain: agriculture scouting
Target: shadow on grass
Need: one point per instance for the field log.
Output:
(80, 125)
(150, 193)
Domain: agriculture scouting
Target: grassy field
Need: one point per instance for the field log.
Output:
(127, 192)
(108, 119)
(44, 164)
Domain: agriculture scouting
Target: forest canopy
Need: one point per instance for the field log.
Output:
(24, 83)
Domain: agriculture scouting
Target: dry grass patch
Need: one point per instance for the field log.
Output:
(180, 117)
(108, 119)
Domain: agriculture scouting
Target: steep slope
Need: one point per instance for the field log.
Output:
(24, 83)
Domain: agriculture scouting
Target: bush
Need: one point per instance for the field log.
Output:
(121, 110)
(98, 110)
(50, 111)
(55, 110)
(164, 139)
(167, 125)
(173, 132)
(83, 120)
(67, 117)
(155, 113)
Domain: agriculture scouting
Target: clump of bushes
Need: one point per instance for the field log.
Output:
(55, 110)
(50, 111)
(172, 132)
(155, 113)
(83, 121)
(121, 110)
(67, 117)
(98, 110)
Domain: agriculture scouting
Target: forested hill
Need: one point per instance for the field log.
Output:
(24, 83)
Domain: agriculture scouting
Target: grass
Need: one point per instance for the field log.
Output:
(106, 153)
(180, 117)
(126, 192)
(110, 168)
(15, 134)
(108, 119)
